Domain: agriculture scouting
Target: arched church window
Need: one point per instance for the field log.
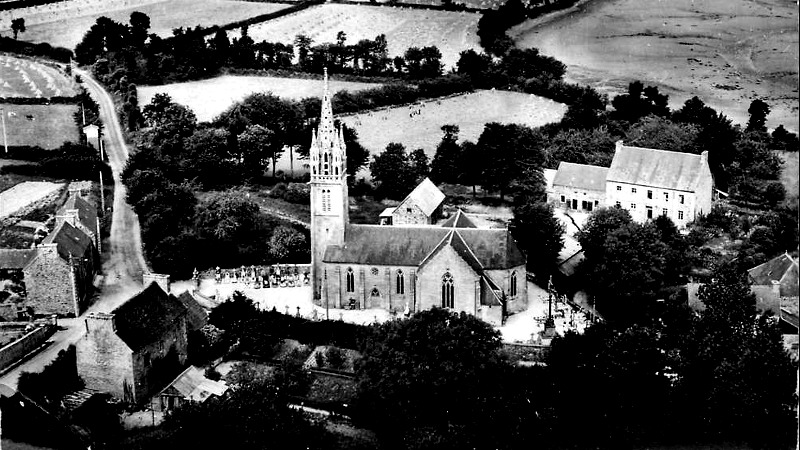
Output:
(375, 292)
(350, 280)
(336, 170)
(400, 282)
(448, 291)
(513, 288)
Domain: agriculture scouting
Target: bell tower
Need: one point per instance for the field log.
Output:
(329, 202)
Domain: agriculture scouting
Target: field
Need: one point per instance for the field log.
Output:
(47, 126)
(451, 32)
(26, 78)
(164, 17)
(728, 53)
(208, 98)
(470, 112)
(24, 194)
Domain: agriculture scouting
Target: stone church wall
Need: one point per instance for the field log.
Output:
(429, 284)
(503, 279)
(368, 278)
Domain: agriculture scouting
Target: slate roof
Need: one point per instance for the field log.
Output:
(197, 316)
(192, 384)
(87, 214)
(426, 195)
(656, 168)
(409, 246)
(459, 220)
(69, 240)
(12, 258)
(146, 316)
(581, 176)
(782, 269)
(387, 212)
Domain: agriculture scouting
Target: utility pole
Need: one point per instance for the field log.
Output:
(5, 139)
(102, 194)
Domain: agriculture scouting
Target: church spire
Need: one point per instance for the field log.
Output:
(326, 119)
(328, 153)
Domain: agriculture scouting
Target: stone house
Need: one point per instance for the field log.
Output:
(137, 349)
(59, 276)
(409, 268)
(775, 284)
(578, 187)
(81, 215)
(196, 315)
(423, 206)
(650, 183)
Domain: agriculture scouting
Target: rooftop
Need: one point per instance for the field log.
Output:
(69, 241)
(426, 195)
(581, 176)
(656, 168)
(87, 214)
(146, 316)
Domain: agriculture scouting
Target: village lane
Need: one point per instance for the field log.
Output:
(123, 260)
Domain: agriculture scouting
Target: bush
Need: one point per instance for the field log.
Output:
(336, 358)
(278, 191)
(297, 193)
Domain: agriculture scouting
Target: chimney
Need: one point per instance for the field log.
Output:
(160, 279)
(618, 146)
(100, 321)
(704, 157)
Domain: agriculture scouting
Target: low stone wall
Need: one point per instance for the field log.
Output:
(520, 353)
(12, 352)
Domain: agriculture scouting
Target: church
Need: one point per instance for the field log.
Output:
(403, 268)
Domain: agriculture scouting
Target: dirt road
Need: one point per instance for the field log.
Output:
(124, 262)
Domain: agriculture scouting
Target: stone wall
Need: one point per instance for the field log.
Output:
(409, 214)
(503, 279)
(104, 361)
(24, 345)
(48, 282)
(366, 280)
(146, 382)
(577, 199)
(466, 287)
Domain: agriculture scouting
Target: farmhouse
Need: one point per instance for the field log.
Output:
(650, 183)
(775, 284)
(59, 276)
(81, 215)
(137, 348)
(403, 268)
(423, 206)
(579, 186)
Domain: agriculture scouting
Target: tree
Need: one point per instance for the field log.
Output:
(758, 110)
(716, 385)
(663, 134)
(436, 369)
(140, 24)
(639, 102)
(256, 146)
(392, 172)
(448, 161)
(541, 235)
(288, 245)
(357, 155)
(17, 26)
(513, 148)
(418, 162)
(303, 44)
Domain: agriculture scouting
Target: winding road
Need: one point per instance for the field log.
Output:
(123, 260)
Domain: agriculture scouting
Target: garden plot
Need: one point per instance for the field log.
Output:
(419, 125)
(66, 29)
(25, 78)
(46, 126)
(208, 98)
(23, 194)
(451, 32)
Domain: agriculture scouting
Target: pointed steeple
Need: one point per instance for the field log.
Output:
(328, 151)
(326, 119)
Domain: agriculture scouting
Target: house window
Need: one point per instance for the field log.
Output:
(350, 281)
(681, 198)
(633, 190)
(664, 212)
(408, 210)
(680, 215)
(633, 205)
(513, 288)
(666, 196)
(619, 188)
(563, 199)
(649, 212)
(596, 202)
(649, 194)
(618, 204)
(448, 290)
(400, 282)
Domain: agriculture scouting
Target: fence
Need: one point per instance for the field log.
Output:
(12, 352)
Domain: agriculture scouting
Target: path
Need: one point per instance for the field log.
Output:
(123, 261)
